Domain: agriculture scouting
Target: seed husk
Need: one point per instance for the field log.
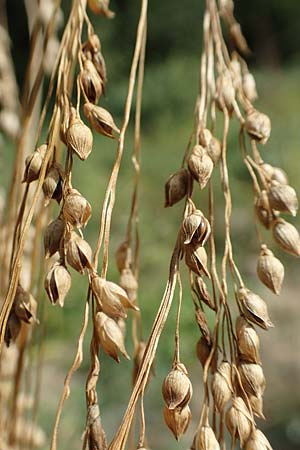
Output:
(13, 328)
(101, 8)
(274, 173)
(249, 87)
(78, 252)
(225, 92)
(177, 420)
(33, 164)
(200, 165)
(101, 120)
(79, 137)
(57, 283)
(263, 210)
(212, 145)
(258, 125)
(255, 309)
(53, 182)
(176, 187)
(25, 305)
(270, 270)
(252, 377)
(200, 289)
(286, 236)
(177, 388)
(203, 325)
(238, 420)
(221, 386)
(129, 283)
(283, 198)
(90, 81)
(256, 403)
(76, 209)
(247, 340)
(196, 259)
(123, 256)
(206, 439)
(196, 228)
(258, 441)
(110, 336)
(203, 349)
(53, 236)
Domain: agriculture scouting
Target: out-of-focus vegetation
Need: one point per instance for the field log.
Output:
(171, 82)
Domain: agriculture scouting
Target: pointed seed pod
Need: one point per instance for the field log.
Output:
(78, 252)
(123, 256)
(249, 87)
(25, 305)
(129, 283)
(211, 144)
(247, 341)
(177, 388)
(53, 236)
(195, 227)
(270, 270)
(252, 377)
(196, 259)
(274, 173)
(206, 439)
(101, 120)
(33, 164)
(57, 283)
(225, 92)
(256, 403)
(283, 198)
(203, 325)
(110, 336)
(255, 309)
(263, 209)
(177, 420)
(200, 165)
(176, 187)
(101, 8)
(76, 209)
(221, 386)
(53, 182)
(79, 137)
(201, 291)
(13, 328)
(203, 350)
(238, 421)
(90, 81)
(258, 441)
(258, 125)
(286, 236)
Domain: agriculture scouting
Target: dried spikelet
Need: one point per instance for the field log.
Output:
(196, 259)
(286, 236)
(76, 209)
(256, 403)
(123, 256)
(263, 210)
(25, 305)
(110, 336)
(53, 182)
(221, 386)
(177, 388)
(236, 72)
(270, 270)
(225, 92)
(196, 228)
(206, 439)
(78, 252)
(12, 329)
(57, 283)
(238, 38)
(101, 8)
(129, 283)
(258, 441)
(203, 325)
(177, 420)
(203, 350)
(200, 165)
(249, 87)
(247, 340)
(274, 173)
(95, 434)
(176, 187)
(238, 420)
(211, 144)
(254, 308)
(258, 125)
(90, 81)
(79, 137)
(252, 377)
(201, 291)
(53, 236)
(33, 164)
(101, 120)
(92, 44)
(283, 197)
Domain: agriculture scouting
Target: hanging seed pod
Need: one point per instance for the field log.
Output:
(258, 441)
(258, 125)
(101, 120)
(177, 420)
(263, 209)
(201, 291)
(286, 236)
(211, 144)
(101, 8)
(129, 283)
(270, 270)
(176, 187)
(195, 227)
(225, 92)
(196, 259)
(95, 433)
(203, 349)
(78, 252)
(110, 336)
(249, 87)
(177, 388)
(200, 165)
(221, 386)
(254, 308)
(206, 439)
(33, 164)
(53, 236)
(25, 305)
(247, 341)
(57, 283)
(52, 185)
(76, 209)
(90, 81)
(274, 173)
(256, 403)
(238, 421)
(79, 137)
(92, 44)
(283, 197)
(252, 377)
(203, 325)
(123, 256)
(13, 328)
(238, 37)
